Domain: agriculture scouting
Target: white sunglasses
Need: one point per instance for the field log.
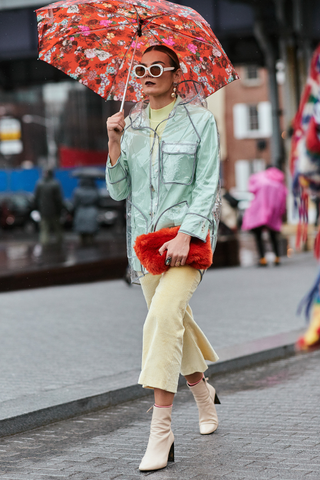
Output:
(155, 70)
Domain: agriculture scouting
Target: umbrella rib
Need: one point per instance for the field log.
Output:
(107, 28)
(129, 72)
(92, 31)
(186, 36)
(121, 16)
(137, 14)
(128, 23)
(151, 19)
(116, 14)
(144, 27)
(157, 39)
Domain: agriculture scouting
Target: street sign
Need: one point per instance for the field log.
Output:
(10, 136)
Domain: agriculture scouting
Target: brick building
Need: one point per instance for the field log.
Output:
(243, 113)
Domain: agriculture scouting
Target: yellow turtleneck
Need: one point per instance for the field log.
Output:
(157, 116)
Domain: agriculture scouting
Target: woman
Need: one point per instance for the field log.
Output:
(266, 210)
(164, 159)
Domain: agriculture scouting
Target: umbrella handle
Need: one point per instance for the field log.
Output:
(129, 73)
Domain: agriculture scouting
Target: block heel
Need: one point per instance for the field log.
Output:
(216, 400)
(171, 454)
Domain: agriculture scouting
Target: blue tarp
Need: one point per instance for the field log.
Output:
(25, 180)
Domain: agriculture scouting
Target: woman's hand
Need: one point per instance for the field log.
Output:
(177, 249)
(115, 127)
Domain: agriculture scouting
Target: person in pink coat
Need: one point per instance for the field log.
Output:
(266, 209)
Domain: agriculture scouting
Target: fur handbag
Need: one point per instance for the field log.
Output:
(147, 250)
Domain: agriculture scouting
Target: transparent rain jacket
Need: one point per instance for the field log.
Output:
(169, 181)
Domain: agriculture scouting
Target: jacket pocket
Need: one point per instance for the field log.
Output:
(178, 162)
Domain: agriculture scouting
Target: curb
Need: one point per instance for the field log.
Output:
(47, 276)
(77, 400)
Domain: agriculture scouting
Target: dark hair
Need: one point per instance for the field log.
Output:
(174, 60)
(48, 173)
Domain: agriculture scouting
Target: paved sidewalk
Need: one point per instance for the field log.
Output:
(269, 429)
(63, 344)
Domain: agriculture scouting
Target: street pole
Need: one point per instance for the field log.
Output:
(268, 50)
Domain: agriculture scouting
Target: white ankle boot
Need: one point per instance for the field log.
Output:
(205, 396)
(160, 449)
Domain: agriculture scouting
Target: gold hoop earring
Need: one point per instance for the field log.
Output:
(173, 94)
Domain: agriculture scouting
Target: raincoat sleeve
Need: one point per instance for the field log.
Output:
(197, 220)
(253, 185)
(117, 176)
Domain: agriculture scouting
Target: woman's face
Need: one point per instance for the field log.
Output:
(158, 86)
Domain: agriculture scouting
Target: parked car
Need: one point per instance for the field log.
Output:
(15, 209)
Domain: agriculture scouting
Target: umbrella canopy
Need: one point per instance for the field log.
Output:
(89, 172)
(97, 41)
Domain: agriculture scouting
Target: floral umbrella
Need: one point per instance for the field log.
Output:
(97, 41)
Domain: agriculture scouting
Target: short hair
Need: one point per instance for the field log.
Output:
(174, 60)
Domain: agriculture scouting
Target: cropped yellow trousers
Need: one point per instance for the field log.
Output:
(172, 341)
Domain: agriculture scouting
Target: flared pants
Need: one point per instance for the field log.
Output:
(172, 341)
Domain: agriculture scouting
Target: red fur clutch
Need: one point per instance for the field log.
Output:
(147, 249)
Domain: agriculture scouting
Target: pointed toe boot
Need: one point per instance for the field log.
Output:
(160, 449)
(206, 397)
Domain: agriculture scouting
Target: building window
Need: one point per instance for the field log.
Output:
(251, 76)
(252, 72)
(252, 121)
(253, 117)
(243, 170)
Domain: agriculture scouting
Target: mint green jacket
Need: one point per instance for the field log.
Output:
(175, 185)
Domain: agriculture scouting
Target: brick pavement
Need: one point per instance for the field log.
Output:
(269, 429)
(57, 337)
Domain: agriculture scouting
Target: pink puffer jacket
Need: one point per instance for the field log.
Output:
(269, 203)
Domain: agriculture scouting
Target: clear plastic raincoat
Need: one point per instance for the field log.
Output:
(172, 180)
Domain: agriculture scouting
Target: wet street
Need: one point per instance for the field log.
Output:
(25, 263)
(20, 251)
(269, 429)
